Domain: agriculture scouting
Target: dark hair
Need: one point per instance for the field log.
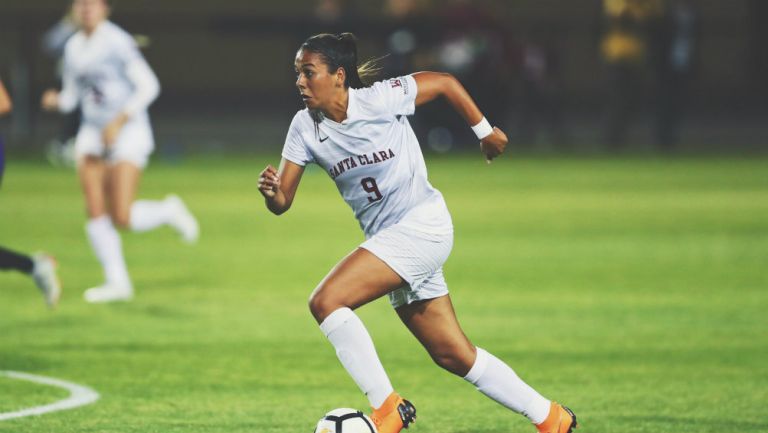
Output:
(340, 51)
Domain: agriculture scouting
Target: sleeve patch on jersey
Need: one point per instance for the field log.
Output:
(399, 82)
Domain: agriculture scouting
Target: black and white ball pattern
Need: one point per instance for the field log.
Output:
(345, 420)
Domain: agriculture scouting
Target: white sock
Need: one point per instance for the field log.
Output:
(106, 243)
(498, 381)
(357, 354)
(149, 214)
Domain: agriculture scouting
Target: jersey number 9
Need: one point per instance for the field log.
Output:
(369, 185)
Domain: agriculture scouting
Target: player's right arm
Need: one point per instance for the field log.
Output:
(279, 186)
(66, 100)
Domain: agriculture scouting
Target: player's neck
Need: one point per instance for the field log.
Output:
(89, 31)
(338, 109)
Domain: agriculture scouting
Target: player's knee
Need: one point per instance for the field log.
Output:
(322, 304)
(454, 361)
(121, 220)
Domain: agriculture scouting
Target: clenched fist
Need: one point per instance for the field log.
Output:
(493, 145)
(269, 182)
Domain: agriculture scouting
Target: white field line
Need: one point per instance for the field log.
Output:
(78, 395)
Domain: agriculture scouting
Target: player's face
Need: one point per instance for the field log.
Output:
(89, 13)
(318, 87)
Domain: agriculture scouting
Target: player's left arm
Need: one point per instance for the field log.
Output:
(431, 85)
(146, 88)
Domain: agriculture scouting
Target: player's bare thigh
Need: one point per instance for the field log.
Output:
(123, 182)
(357, 279)
(92, 171)
(433, 322)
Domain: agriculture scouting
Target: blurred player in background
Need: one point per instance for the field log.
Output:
(41, 267)
(360, 135)
(61, 149)
(106, 75)
(675, 65)
(625, 26)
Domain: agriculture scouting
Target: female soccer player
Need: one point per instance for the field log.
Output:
(361, 137)
(106, 75)
(41, 267)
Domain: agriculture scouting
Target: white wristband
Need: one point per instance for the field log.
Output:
(483, 129)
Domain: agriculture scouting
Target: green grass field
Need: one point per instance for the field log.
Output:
(634, 290)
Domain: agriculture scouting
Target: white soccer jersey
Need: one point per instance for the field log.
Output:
(106, 74)
(374, 158)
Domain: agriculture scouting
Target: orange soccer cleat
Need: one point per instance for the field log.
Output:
(560, 420)
(394, 415)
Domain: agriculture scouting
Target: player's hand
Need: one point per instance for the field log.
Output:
(112, 130)
(269, 182)
(50, 100)
(494, 144)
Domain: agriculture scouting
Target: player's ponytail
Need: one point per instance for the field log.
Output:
(340, 51)
(359, 75)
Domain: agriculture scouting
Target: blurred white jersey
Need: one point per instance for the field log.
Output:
(106, 74)
(374, 158)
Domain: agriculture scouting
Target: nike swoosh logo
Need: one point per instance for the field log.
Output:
(323, 139)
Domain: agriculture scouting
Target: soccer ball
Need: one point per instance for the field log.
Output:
(345, 420)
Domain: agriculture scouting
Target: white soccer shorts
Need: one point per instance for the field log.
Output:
(134, 143)
(417, 257)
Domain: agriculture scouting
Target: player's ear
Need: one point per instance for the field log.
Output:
(341, 75)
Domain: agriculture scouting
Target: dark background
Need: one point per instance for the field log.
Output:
(227, 77)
